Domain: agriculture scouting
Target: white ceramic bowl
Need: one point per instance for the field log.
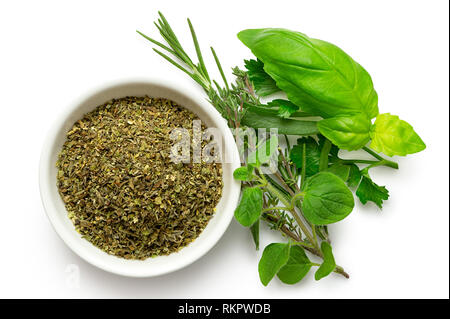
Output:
(54, 206)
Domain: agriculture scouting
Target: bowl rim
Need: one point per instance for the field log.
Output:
(45, 184)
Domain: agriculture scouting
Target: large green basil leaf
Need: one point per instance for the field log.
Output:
(349, 133)
(316, 75)
(393, 136)
(327, 199)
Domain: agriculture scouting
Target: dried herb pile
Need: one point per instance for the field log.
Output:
(121, 189)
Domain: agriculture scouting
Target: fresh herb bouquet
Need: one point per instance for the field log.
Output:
(331, 106)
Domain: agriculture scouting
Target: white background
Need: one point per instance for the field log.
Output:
(51, 52)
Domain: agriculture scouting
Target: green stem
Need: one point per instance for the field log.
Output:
(295, 197)
(384, 161)
(275, 208)
(339, 270)
(356, 161)
(372, 152)
(323, 163)
(302, 243)
(271, 189)
(313, 250)
(313, 227)
(303, 172)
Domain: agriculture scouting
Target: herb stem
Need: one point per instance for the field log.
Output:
(295, 197)
(339, 270)
(313, 227)
(302, 243)
(288, 169)
(268, 209)
(385, 162)
(323, 162)
(283, 183)
(297, 240)
(271, 189)
(357, 161)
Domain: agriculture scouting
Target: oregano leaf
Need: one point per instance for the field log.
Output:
(328, 264)
(296, 267)
(250, 206)
(254, 229)
(274, 257)
(244, 173)
(327, 199)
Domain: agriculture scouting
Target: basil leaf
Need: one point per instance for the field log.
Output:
(244, 173)
(349, 133)
(273, 258)
(328, 264)
(312, 155)
(284, 126)
(354, 176)
(369, 191)
(285, 108)
(263, 83)
(254, 229)
(296, 267)
(393, 136)
(250, 206)
(327, 199)
(340, 170)
(316, 75)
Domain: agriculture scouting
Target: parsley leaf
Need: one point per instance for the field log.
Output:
(285, 107)
(263, 83)
(312, 155)
(369, 191)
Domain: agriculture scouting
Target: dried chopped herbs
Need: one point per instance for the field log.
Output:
(121, 189)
